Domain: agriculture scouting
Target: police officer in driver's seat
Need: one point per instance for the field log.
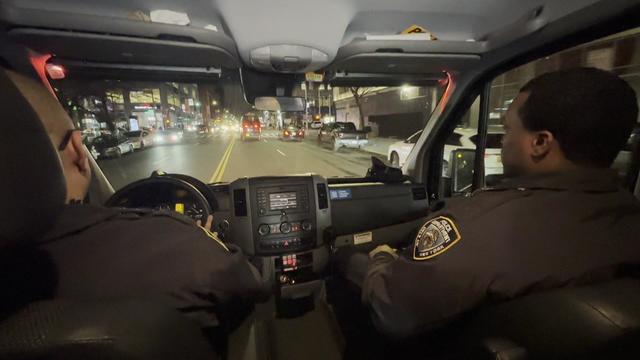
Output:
(561, 219)
(103, 253)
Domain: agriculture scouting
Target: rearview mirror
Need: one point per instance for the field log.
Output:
(281, 103)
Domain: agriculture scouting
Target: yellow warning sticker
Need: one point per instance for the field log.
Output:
(414, 29)
(417, 29)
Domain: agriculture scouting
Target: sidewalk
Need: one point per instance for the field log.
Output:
(379, 145)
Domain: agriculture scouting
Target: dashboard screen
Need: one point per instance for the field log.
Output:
(282, 201)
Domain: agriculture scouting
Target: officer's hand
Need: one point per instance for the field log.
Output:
(383, 249)
(208, 224)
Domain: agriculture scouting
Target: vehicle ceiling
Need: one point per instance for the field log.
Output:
(328, 24)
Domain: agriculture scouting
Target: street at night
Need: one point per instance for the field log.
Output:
(225, 158)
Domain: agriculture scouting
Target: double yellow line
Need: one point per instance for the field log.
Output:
(217, 175)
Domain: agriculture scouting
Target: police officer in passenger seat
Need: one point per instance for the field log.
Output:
(103, 253)
(561, 219)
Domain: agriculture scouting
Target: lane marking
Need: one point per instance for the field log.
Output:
(226, 161)
(217, 174)
(281, 153)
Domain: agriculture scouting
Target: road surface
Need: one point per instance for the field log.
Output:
(224, 158)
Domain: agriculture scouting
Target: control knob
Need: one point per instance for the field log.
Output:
(264, 229)
(306, 225)
(285, 228)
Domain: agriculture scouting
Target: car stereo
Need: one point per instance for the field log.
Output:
(276, 215)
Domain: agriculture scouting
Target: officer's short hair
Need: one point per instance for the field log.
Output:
(590, 112)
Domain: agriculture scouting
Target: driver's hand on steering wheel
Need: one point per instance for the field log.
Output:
(208, 224)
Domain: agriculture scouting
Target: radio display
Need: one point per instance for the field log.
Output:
(283, 200)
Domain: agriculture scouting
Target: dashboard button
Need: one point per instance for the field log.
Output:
(285, 228)
(264, 229)
(306, 225)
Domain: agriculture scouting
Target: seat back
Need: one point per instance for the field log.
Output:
(101, 330)
(595, 321)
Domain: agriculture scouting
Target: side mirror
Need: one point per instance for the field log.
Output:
(461, 170)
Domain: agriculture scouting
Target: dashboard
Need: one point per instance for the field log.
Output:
(288, 226)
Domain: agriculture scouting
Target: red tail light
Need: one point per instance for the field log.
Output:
(256, 126)
(301, 133)
(246, 126)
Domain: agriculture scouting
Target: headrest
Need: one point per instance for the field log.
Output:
(32, 186)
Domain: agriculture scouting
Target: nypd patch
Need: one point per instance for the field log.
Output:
(435, 237)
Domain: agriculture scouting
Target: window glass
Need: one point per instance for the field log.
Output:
(209, 131)
(619, 53)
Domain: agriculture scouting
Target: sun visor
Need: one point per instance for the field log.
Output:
(407, 56)
(115, 40)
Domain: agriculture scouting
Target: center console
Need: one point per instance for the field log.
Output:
(272, 216)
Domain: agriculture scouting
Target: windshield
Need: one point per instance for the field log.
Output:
(209, 131)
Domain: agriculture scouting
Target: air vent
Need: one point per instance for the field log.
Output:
(323, 201)
(419, 193)
(240, 202)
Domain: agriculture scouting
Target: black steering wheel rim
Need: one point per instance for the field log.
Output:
(118, 198)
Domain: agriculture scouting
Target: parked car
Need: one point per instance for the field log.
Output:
(399, 151)
(292, 132)
(140, 138)
(461, 138)
(111, 146)
(168, 136)
(342, 134)
(251, 128)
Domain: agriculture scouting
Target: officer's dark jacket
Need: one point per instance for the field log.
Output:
(102, 253)
(527, 234)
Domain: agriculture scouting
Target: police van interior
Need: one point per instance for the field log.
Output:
(292, 226)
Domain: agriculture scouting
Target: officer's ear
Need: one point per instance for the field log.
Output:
(541, 144)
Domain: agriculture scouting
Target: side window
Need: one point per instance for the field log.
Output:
(619, 53)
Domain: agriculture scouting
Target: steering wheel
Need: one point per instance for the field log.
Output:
(165, 192)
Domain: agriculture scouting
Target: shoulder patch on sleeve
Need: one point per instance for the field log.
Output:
(435, 237)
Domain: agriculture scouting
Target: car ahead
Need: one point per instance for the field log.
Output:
(342, 134)
(292, 133)
(111, 146)
(251, 128)
(168, 137)
(140, 138)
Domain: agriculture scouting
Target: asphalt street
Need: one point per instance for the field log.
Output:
(224, 158)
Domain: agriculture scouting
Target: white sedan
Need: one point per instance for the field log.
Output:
(140, 139)
(461, 138)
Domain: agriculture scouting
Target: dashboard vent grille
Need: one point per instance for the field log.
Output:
(240, 202)
(419, 193)
(323, 201)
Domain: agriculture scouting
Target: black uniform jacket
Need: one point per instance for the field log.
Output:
(104, 253)
(527, 234)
